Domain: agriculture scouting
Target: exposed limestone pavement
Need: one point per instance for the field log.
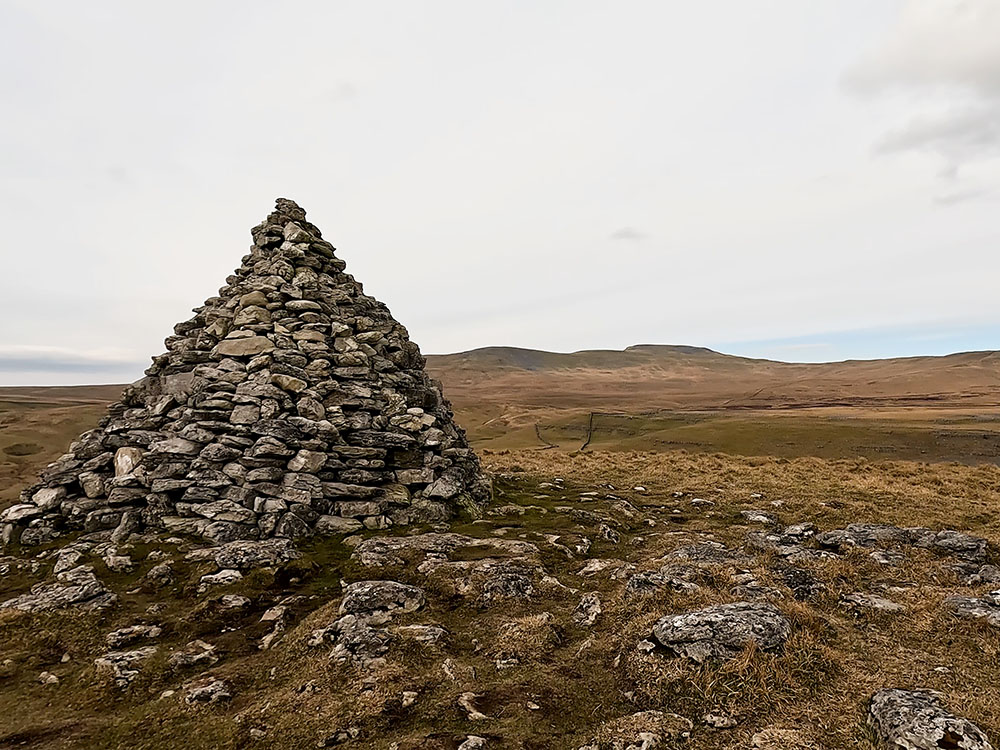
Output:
(668, 635)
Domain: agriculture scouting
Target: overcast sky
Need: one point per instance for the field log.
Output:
(797, 180)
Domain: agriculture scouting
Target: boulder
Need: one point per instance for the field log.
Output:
(337, 525)
(919, 720)
(126, 460)
(126, 636)
(723, 631)
(77, 587)
(124, 666)
(207, 690)
(588, 610)
(365, 597)
(985, 609)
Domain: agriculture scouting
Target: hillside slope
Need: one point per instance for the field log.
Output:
(671, 397)
(649, 377)
(923, 408)
(556, 621)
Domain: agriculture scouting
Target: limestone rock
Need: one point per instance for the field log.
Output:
(723, 630)
(974, 575)
(709, 552)
(957, 544)
(247, 554)
(234, 601)
(244, 347)
(337, 525)
(365, 597)
(207, 690)
(126, 636)
(124, 666)
(47, 678)
(340, 737)
(985, 609)
(588, 610)
(21, 512)
(644, 730)
(863, 601)
(49, 498)
(355, 638)
(126, 460)
(761, 517)
(383, 551)
(421, 633)
(77, 587)
(358, 636)
(466, 702)
(719, 721)
(224, 577)
(196, 653)
(918, 720)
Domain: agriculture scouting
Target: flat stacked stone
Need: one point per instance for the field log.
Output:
(291, 404)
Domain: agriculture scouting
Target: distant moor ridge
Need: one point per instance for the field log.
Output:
(291, 403)
(652, 377)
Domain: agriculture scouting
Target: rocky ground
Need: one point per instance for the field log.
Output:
(603, 601)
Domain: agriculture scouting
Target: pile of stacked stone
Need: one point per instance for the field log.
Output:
(290, 404)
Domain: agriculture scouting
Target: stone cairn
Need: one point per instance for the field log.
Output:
(291, 404)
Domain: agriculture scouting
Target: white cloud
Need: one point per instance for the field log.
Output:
(961, 196)
(959, 135)
(946, 53)
(949, 44)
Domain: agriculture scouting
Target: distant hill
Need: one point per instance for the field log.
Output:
(668, 397)
(658, 377)
(502, 358)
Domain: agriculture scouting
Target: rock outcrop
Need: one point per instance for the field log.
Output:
(918, 720)
(985, 609)
(723, 630)
(290, 403)
(78, 587)
(357, 635)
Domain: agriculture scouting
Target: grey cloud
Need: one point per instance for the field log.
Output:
(344, 91)
(960, 196)
(946, 52)
(948, 44)
(960, 135)
(627, 233)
